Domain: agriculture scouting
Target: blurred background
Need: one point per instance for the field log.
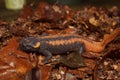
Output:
(9, 14)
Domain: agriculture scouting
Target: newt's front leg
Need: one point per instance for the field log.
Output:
(48, 55)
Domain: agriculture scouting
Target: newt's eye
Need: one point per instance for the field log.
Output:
(37, 45)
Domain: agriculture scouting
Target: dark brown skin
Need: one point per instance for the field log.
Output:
(56, 44)
(48, 45)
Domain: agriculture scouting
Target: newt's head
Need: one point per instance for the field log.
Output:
(29, 44)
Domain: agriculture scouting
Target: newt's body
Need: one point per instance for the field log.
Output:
(48, 45)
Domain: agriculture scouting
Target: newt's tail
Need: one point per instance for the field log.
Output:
(109, 37)
(94, 46)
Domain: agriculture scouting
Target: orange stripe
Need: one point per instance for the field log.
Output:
(64, 42)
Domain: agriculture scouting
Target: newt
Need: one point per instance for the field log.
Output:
(63, 43)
